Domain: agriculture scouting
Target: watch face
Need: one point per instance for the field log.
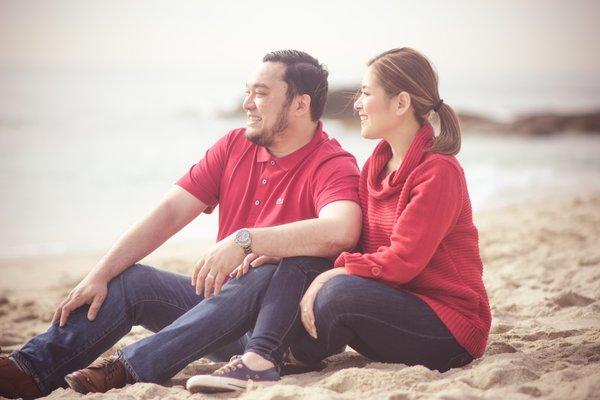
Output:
(243, 237)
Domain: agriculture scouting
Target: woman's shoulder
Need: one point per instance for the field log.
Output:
(439, 163)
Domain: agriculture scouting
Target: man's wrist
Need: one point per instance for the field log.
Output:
(98, 276)
(243, 238)
(101, 272)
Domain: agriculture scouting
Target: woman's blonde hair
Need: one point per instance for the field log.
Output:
(407, 70)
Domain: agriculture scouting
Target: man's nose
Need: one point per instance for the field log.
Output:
(248, 104)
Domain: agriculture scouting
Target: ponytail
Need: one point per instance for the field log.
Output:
(448, 140)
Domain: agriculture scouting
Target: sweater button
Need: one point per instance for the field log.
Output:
(376, 271)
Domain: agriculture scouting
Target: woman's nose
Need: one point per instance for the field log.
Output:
(357, 105)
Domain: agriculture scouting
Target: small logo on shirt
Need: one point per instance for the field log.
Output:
(279, 201)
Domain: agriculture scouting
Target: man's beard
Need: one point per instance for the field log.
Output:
(266, 136)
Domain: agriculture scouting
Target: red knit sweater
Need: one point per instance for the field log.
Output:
(418, 235)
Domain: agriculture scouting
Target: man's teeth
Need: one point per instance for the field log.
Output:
(253, 118)
(363, 117)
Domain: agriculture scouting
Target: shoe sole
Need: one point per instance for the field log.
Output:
(75, 385)
(294, 369)
(214, 384)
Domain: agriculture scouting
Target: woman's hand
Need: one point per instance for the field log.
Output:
(254, 261)
(307, 312)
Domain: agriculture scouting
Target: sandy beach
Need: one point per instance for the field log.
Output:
(542, 273)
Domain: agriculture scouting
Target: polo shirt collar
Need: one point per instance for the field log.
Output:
(289, 161)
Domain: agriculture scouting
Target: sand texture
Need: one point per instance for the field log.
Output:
(542, 273)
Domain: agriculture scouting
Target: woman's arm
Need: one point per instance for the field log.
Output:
(432, 211)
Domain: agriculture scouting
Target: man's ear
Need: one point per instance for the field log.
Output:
(403, 103)
(302, 104)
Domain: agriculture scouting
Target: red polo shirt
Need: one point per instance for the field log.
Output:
(255, 189)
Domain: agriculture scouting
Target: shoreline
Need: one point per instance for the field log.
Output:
(541, 271)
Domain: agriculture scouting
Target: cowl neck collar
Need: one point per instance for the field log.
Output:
(391, 184)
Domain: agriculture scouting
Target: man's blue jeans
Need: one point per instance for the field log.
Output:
(187, 326)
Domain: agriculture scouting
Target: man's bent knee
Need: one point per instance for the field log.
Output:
(306, 264)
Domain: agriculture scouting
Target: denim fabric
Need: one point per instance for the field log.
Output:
(380, 322)
(187, 326)
(278, 321)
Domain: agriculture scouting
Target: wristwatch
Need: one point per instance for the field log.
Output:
(243, 238)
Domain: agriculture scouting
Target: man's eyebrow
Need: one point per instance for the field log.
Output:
(258, 85)
(364, 86)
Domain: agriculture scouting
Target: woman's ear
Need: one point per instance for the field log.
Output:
(402, 103)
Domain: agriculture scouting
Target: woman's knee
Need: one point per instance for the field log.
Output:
(335, 297)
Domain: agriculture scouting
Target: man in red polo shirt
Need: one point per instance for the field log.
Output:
(283, 188)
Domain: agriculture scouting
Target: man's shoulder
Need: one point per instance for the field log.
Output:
(330, 156)
(237, 134)
(330, 148)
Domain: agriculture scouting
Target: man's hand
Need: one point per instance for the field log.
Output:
(88, 291)
(212, 268)
(307, 304)
(254, 261)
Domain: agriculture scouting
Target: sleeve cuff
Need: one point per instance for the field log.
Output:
(355, 265)
(210, 203)
(340, 261)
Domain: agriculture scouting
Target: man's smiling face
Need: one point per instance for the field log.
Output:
(266, 103)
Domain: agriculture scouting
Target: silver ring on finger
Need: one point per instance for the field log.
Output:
(211, 276)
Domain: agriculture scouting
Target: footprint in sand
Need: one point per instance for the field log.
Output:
(500, 348)
(25, 317)
(501, 328)
(570, 299)
(589, 261)
(530, 390)
(539, 335)
(10, 340)
(500, 376)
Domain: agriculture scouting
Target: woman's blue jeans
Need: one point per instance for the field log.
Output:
(278, 322)
(380, 322)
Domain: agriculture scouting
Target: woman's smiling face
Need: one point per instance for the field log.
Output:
(375, 108)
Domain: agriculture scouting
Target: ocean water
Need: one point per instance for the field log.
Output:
(83, 156)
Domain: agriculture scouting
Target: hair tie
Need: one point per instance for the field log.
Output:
(436, 108)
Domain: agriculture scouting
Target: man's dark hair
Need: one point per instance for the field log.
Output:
(303, 75)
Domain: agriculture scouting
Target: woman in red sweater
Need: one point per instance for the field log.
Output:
(413, 292)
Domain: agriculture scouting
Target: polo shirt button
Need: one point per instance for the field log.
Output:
(257, 203)
(272, 162)
(376, 271)
(264, 182)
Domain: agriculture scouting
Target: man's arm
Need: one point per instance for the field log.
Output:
(336, 229)
(173, 212)
(169, 216)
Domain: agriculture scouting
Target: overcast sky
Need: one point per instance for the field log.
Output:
(508, 39)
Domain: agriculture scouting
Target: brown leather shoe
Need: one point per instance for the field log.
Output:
(101, 376)
(15, 383)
